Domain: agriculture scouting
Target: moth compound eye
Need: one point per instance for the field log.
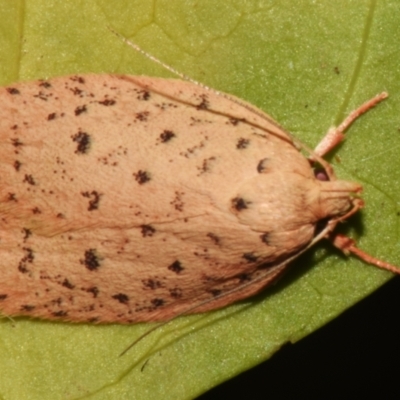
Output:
(320, 174)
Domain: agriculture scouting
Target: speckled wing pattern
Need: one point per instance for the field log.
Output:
(129, 199)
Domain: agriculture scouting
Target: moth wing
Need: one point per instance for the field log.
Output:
(116, 197)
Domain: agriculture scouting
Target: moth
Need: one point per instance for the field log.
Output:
(127, 198)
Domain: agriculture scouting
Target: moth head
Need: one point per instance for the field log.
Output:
(336, 199)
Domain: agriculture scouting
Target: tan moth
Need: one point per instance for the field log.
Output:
(127, 198)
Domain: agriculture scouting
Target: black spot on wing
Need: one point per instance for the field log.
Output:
(16, 142)
(152, 284)
(17, 165)
(94, 290)
(12, 197)
(13, 91)
(178, 202)
(242, 143)
(67, 284)
(204, 103)
(45, 84)
(29, 179)
(60, 314)
(265, 238)
(147, 230)
(83, 140)
(94, 197)
(91, 260)
(80, 110)
(143, 94)
(27, 233)
(166, 136)
(121, 297)
(107, 102)
(215, 238)
(262, 165)
(142, 116)
(157, 302)
(77, 78)
(25, 260)
(142, 177)
(176, 267)
(239, 203)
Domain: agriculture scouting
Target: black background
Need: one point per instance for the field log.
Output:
(354, 356)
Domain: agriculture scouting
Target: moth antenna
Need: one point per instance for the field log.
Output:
(336, 134)
(195, 82)
(249, 107)
(361, 110)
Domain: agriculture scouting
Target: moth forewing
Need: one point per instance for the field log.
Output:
(152, 198)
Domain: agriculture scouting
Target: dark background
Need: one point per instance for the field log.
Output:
(356, 355)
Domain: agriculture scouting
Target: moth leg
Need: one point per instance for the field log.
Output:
(335, 135)
(348, 246)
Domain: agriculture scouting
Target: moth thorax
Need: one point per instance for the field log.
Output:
(275, 202)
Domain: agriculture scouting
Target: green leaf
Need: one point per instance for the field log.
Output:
(307, 64)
